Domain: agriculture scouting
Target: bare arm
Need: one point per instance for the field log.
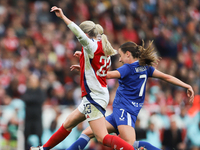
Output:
(59, 13)
(113, 74)
(75, 67)
(77, 54)
(175, 81)
(87, 43)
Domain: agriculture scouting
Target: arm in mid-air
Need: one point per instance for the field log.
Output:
(75, 67)
(110, 74)
(86, 42)
(175, 81)
(113, 74)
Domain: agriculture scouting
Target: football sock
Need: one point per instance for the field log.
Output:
(80, 143)
(144, 144)
(56, 138)
(116, 143)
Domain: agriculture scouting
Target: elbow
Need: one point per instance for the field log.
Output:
(167, 77)
(108, 76)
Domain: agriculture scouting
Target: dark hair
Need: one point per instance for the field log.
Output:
(145, 56)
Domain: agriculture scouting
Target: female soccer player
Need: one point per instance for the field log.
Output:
(132, 76)
(94, 63)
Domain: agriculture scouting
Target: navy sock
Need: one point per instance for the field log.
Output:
(147, 145)
(80, 143)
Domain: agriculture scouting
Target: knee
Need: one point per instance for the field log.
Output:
(67, 125)
(89, 134)
(130, 141)
(99, 139)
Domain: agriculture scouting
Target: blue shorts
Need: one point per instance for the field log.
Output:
(121, 117)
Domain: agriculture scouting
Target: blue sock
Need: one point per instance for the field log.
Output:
(80, 143)
(144, 144)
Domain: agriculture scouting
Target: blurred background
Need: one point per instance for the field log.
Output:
(38, 90)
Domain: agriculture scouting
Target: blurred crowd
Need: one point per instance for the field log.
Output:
(36, 52)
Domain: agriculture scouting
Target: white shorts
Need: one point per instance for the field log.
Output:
(94, 106)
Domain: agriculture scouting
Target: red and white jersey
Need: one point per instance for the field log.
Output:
(93, 63)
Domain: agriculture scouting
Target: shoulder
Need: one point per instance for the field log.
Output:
(124, 70)
(125, 66)
(150, 67)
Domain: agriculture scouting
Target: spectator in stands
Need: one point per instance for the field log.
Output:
(153, 136)
(172, 137)
(33, 98)
(23, 35)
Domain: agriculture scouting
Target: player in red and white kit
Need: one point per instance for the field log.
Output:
(94, 63)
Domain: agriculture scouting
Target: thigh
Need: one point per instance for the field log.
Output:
(125, 124)
(98, 127)
(111, 124)
(88, 131)
(73, 119)
(110, 127)
(127, 133)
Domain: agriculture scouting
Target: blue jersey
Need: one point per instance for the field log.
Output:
(132, 84)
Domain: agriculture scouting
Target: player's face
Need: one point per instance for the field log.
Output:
(122, 56)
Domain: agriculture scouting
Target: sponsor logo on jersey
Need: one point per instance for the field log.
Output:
(140, 69)
(137, 104)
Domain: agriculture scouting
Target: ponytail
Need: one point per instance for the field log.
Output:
(107, 48)
(145, 56)
(96, 30)
(148, 56)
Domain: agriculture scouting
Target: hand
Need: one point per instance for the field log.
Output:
(77, 67)
(77, 54)
(190, 94)
(58, 11)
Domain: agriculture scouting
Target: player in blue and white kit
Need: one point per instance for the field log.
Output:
(132, 77)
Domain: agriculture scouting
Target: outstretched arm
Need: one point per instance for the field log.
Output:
(175, 81)
(113, 74)
(59, 13)
(81, 36)
(75, 67)
(77, 54)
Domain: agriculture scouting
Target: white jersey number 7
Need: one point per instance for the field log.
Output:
(142, 87)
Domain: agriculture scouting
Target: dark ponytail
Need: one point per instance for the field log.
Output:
(145, 56)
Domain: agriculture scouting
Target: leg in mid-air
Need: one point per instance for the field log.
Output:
(128, 134)
(106, 139)
(71, 121)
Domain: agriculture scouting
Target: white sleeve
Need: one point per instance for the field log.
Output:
(88, 44)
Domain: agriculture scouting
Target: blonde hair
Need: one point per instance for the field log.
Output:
(97, 31)
(146, 56)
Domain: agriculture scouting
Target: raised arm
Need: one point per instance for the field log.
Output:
(81, 36)
(175, 81)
